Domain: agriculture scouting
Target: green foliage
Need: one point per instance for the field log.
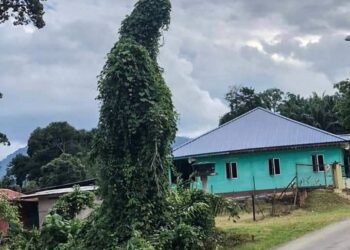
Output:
(327, 112)
(137, 242)
(23, 12)
(271, 98)
(343, 102)
(58, 137)
(8, 211)
(319, 111)
(193, 213)
(293, 107)
(136, 128)
(57, 231)
(64, 169)
(30, 186)
(145, 23)
(19, 239)
(45, 147)
(189, 225)
(60, 226)
(69, 205)
(19, 168)
(243, 99)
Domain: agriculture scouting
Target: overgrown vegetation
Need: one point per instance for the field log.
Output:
(59, 227)
(8, 211)
(136, 128)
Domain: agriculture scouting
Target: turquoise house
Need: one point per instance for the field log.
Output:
(263, 151)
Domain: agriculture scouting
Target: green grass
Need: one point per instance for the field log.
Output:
(322, 208)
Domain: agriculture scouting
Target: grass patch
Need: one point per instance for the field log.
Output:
(321, 209)
(324, 200)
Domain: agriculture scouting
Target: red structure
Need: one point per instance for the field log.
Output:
(11, 196)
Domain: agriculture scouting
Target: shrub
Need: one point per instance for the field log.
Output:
(69, 205)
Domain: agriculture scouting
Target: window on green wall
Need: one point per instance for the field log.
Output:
(317, 163)
(231, 170)
(274, 166)
(346, 166)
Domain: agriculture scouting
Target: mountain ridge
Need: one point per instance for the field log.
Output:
(4, 162)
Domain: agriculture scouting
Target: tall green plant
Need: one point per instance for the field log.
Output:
(136, 127)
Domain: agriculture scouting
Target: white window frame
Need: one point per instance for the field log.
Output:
(273, 166)
(317, 163)
(231, 172)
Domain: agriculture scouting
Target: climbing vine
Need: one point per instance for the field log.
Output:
(136, 128)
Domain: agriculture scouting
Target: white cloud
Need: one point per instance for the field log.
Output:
(307, 39)
(257, 45)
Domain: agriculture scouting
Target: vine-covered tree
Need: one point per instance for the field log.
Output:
(3, 137)
(23, 12)
(136, 129)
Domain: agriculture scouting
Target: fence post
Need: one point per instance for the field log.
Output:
(253, 204)
(253, 199)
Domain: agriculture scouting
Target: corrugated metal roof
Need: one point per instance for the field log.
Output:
(10, 194)
(346, 137)
(58, 191)
(257, 129)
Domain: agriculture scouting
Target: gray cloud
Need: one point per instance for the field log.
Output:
(50, 74)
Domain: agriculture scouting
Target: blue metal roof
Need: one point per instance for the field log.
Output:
(346, 136)
(257, 129)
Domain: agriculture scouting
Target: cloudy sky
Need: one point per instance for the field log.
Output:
(50, 74)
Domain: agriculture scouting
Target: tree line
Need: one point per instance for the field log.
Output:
(57, 154)
(327, 112)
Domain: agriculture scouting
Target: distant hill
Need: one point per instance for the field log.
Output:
(179, 140)
(4, 163)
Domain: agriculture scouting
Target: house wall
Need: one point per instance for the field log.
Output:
(255, 165)
(44, 206)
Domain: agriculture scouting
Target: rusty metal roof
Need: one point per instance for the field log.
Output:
(257, 129)
(10, 194)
